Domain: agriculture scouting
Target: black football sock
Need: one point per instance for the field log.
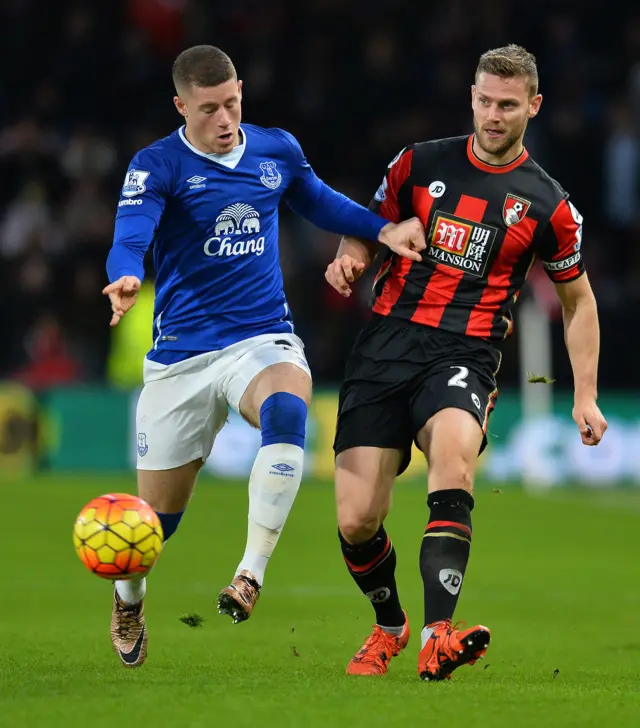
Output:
(445, 552)
(372, 565)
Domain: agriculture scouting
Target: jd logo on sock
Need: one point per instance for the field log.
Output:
(379, 595)
(451, 580)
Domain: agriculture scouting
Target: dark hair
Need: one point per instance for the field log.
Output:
(508, 62)
(202, 65)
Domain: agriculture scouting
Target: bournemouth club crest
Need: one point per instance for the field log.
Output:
(514, 209)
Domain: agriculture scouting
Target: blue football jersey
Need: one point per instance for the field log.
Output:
(213, 223)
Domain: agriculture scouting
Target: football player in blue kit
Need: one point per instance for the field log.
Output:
(206, 200)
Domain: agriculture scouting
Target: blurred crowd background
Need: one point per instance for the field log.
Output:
(87, 84)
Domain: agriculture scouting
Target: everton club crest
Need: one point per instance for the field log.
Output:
(143, 448)
(271, 177)
(514, 209)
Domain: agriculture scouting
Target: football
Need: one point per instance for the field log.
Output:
(118, 536)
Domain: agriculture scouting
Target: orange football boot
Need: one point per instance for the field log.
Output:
(448, 648)
(376, 653)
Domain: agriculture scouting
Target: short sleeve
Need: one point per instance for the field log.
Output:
(385, 201)
(561, 243)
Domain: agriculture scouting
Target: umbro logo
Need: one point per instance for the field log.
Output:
(196, 182)
(282, 469)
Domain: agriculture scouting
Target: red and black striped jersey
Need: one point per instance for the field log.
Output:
(484, 224)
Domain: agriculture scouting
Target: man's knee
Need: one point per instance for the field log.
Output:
(283, 418)
(451, 474)
(451, 441)
(277, 379)
(168, 491)
(359, 525)
(364, 479)
(361, 510)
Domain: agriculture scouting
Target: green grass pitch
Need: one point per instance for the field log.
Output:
(554, 576)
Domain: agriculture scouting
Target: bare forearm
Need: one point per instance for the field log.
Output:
(582, 339)
(364, 251)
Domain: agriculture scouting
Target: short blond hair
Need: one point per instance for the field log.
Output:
(508, 62)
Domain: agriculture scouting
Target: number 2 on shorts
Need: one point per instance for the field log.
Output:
(459, 379)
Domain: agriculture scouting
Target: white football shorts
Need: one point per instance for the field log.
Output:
(183, 406)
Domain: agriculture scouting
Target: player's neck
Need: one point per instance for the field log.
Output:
(196, 143)
(497, 160)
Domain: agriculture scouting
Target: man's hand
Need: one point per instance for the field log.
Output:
(590, 421)
(122, 294)
(342, 271)
(405, 238)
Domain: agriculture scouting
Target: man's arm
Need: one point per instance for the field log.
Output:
(353, 258)
(561, 252)
(142, 203)
(364, 251)
(125, 263)
(309, 197)
(581, 334)
(132, 238)
(582, 339)
(355, 255)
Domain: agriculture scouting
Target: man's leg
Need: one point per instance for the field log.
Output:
(167, 492)
(364, 479)
(275, 401)
(373, 445)
(179, 418)
(451, 441)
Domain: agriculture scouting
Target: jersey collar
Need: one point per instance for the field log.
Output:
(494, 168)
(230, 160)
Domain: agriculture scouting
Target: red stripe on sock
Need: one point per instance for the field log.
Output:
(373, 562)
(459, 526)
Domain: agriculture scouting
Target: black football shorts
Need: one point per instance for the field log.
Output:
(400, 373)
